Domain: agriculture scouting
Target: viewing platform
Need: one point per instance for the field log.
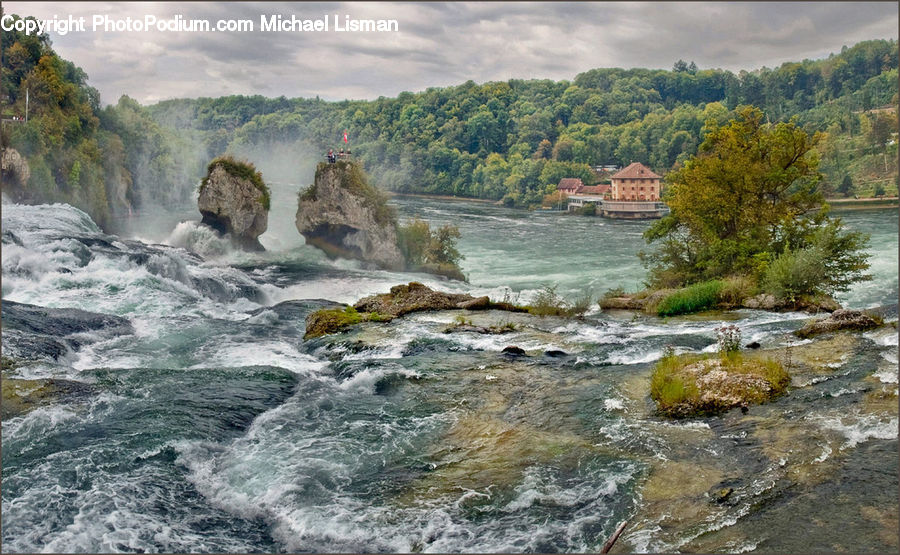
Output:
(620, 209)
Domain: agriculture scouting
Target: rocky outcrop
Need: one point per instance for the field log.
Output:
(686, 387)
(415, 297)
(402, 299)
(14, 169)
(844, 319)
(235, 202)
(345, 217)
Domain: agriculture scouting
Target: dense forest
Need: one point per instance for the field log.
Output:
(510, 140)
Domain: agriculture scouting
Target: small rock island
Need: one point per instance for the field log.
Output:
(234, 201)
(346, 217)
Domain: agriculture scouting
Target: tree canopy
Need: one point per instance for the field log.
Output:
(746, 199)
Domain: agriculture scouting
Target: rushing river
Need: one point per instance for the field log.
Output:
(204, 422)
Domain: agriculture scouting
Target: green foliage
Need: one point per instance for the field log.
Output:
(830, 262)
(548, 303)
(846, 186)
(332, 320)
(102, 161)
(432, 251)
(747, 197)
(241, 170)
(589, 209)
(512, 140)
(668, 387)
(675, 389)
(697, 297)
(737, 288)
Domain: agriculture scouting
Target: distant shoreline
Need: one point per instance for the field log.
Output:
(441, 197)
(863, 203)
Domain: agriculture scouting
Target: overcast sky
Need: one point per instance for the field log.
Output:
(441, 44)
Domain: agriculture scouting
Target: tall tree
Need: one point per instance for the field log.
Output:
(748, 195)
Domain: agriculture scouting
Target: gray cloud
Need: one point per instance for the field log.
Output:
(441, 44)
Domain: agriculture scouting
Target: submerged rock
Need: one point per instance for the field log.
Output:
(513, 350)
(345, 217)
(235, 202)
(23, 396)
(844, 319)
(37, 333)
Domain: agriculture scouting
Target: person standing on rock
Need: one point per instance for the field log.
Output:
(331, 158)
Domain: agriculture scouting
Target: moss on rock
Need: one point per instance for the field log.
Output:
(242, 170)
(696, 385)
(402, 299)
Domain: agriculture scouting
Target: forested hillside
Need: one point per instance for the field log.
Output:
(515, 139)
(106, 161)
(511, 140)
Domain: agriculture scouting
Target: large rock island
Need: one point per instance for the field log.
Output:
(234, 201)
(346, 217)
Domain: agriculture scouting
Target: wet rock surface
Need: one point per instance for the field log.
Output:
(844, 319)
(235, 206)
(344, 216)
(415, 297)
(37, 333)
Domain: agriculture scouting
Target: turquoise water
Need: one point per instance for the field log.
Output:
(209, 425)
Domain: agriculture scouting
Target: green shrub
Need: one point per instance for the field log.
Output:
(667, 387)
(699, 296)
(737, 288)
(548, 303)
(833, 260)
(795, 273)
(432, 251)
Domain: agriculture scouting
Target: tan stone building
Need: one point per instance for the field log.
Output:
(635, 182)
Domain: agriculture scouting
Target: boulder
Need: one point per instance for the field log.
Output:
(843, 319)
(513, 350)
(345, 217)
(763, 301)
(235, 202)
(14, 169)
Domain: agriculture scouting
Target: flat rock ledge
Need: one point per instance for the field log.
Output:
(402, 299)
(844, 319)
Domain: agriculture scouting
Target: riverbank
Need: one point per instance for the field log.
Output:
(842, 204)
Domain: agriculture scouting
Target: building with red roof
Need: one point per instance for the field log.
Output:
(635, 182)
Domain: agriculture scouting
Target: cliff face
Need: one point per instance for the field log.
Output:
(346, 217)
(14, 169)
(232, 204)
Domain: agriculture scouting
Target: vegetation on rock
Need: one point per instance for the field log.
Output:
(431, 251)
(241, 170)
(548, 303)
(402, 299)
(332, 320)
(746, 209)
(696, 385)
